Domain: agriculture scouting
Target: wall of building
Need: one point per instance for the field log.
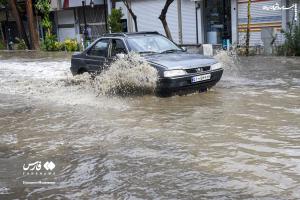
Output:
(150, 21)
(234, 21)
(77, 3)
(260, 19)
(291, 13)
(70, 22)
(66, 24)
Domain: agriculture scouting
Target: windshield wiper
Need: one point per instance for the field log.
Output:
(142, 52)
(170, 50)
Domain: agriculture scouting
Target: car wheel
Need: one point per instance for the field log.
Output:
(81, 71)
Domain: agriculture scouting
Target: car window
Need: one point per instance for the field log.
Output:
(117, 47)
(100, 48)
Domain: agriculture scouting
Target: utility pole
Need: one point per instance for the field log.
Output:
(248, 27)
(85, 32)
(105, 15)
(179, 21)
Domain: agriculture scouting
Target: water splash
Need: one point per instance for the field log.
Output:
(83, 81)
(229, 60)
(130, 74)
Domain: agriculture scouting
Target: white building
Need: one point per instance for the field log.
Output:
(211, 21)
(69, 18)
(203, 21)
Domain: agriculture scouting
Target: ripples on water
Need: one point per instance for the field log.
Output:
(240, 140)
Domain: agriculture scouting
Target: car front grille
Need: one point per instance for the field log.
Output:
(197, 70)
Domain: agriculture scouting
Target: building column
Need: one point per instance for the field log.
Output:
(284, 15)
(234, 22)
(199, 20)
(179, 14)
(109, 6)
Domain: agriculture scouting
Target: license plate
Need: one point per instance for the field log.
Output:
(201, 78)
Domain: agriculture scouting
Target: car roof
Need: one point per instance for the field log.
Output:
(131, 34)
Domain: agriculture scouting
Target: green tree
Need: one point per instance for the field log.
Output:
(3, 2)
(44, 6)
(114, 20)
(50, 42)
(291, 46)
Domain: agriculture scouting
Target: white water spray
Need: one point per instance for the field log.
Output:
(229, 60)
(128, 75)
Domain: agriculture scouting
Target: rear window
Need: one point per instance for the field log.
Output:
(153, 43)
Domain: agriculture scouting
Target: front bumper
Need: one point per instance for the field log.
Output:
(184, 83)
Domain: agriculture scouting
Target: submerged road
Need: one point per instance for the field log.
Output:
(239, 140)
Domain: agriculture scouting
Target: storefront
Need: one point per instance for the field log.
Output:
(71, 17)
(217, 21)
(203, 21)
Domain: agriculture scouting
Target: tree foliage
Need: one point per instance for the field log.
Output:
(114, 20)
(44, 6)
(3, 2)
(291, 47)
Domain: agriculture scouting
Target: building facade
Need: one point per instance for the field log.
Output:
(190, 21)
(71, 17)
(213, 21)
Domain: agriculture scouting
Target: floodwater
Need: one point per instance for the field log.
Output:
(239, 140)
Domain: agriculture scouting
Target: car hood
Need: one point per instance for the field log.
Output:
(180, 60)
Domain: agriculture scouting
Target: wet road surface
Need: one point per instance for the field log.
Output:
(239, 140)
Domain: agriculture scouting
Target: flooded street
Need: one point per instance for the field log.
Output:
(239, 140)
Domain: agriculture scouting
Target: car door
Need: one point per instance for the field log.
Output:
(117, 46)
(97, 56)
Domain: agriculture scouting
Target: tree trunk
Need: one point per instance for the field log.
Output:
(20, 26)
(135, 21)
(134, 17)
(248, 28)
(2, 34)
(32, 25)
(163, 19)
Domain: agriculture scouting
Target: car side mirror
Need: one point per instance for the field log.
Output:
(184, 49)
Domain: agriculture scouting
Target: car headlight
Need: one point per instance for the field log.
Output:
(216, 66)
(177, 72)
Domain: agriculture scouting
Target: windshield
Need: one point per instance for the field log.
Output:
(151, 44)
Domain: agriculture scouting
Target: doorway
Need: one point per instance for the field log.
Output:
(217, 22)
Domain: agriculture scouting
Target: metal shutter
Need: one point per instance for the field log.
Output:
(188, 11)
(260, 19)
(148, 11)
